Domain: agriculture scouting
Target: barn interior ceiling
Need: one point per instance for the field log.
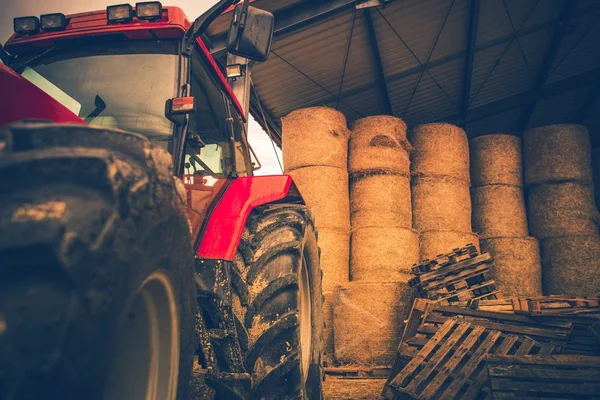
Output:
(496, 66)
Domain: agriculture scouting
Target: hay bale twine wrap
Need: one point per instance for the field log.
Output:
(325, 191)
(571, 265)
(380, 200)
(557, 153)
(441, 204)
(517, 267)
(314, 136)
(369, 320)
(496, 160)
(440, 150)
(499, 210)
(335, 257)
(383, 254)
(562, 209)
(379, 143)
(328, 328)
(442, 242)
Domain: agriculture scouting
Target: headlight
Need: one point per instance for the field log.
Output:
(119, 13)
(53, 22)
(26, 25)
(149, 10)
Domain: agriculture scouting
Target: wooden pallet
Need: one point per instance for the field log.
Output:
(543, 377)
(582, 340)
(450, 279)
(556, 305)
(358, 372)
(456, 255)
(426, 317)
(451, 365)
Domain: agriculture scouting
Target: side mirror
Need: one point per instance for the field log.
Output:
(177, 108)
(251, 32)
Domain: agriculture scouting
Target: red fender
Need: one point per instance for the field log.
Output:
(224, 228)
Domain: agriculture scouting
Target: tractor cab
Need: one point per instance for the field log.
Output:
(147, 70)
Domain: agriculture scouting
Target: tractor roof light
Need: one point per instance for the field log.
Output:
(119, 13)
(149, 10)
(26, 25)
(53, 22)
(235, 71)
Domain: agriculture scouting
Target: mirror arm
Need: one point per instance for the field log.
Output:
(202, 22)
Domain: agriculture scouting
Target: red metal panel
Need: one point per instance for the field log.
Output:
(226, 223)
(173, 24)
(21, 99)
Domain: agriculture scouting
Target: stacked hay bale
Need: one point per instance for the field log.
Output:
(499, 215)
(561, 208)
(596, 173)
(315, 154)
(440, 188)
(368, 313)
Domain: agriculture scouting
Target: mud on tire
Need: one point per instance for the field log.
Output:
(277, 257)
(87, 216)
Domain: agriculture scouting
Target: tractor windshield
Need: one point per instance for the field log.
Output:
(118, 85)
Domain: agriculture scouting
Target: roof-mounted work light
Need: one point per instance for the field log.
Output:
(149, 10)
(119, 13)
(53, 22)
(26, 25)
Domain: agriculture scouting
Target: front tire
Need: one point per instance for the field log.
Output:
(277, 300)
(96, 267)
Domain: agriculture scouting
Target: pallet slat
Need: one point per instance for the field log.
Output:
(549, 376)
(452, 364)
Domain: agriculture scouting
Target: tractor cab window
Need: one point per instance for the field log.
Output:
(122, 84)
(208, 149)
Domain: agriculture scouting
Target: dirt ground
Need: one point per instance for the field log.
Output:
(334, 388)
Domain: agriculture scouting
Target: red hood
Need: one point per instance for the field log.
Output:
(21, 99)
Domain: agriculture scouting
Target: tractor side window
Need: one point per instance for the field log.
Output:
(208, 151)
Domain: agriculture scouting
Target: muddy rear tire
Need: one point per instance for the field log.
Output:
(96, 267)
(277, 299)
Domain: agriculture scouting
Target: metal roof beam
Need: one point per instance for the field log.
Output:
(378, 64)
(559, 32)
(443, 60)
(470, 57)
(293, 18)
(527, 98)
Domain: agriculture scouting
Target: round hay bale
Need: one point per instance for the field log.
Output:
(440, 150)
(496, 160)
(517, 268)
(441, 204)
(557, 153)
(368, 320)
(383, 254)
(596, 169)
(342, 388)
(499, 210)
(434, 243)
(328, 355)
(562, 209)
(315, 136)
(379, 144)
(325, 191)
(335, 258)
(571, 265)
(380, 200)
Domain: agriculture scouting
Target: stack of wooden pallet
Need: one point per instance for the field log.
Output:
(445, 347)
(459, 275)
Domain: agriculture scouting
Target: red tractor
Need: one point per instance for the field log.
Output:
(133, 235)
